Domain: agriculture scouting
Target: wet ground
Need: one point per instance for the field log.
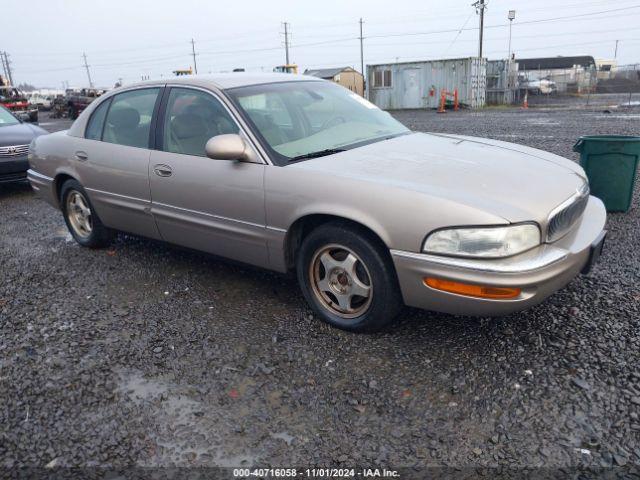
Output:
(146, 354)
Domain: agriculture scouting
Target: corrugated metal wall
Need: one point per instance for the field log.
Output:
(418, 84)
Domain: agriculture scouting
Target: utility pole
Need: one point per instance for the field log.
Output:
(193, 52)
(615, 55)
(84, 55)
(361, 50)
(7, 66)
(480, 6)
(511, 16)
(286, 41)
(4, 68)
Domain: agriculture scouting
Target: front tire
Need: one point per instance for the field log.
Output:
(81, 219)
(347, 277)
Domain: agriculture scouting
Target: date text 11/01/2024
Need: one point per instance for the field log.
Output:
(315, 472)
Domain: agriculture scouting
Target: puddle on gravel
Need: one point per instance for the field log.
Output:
(541, 121)
(182, 431)
(619, 116)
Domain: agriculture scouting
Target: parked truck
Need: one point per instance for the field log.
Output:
(78, 100)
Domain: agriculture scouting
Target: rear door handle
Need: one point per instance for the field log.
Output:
(162, 170)
(82, 156)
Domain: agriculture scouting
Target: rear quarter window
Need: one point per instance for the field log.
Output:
(96, 122)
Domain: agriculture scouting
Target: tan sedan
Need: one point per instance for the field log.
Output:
(290, 172)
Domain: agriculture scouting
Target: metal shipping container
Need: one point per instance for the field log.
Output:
(418, 84)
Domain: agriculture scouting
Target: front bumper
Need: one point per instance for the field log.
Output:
(13, 169)
(538, 273)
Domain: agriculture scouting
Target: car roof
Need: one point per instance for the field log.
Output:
(219, 81)
(224, 81)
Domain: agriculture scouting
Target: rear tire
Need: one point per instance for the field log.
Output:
(81, 218)
(348, 278)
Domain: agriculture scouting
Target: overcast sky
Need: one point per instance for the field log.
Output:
(127, 39)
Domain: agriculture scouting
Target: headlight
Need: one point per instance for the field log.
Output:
(488, 242)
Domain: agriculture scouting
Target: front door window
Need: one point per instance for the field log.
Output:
(193, 117)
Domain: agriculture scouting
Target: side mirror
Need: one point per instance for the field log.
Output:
(230, 146)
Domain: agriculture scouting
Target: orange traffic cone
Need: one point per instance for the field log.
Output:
(456, 104)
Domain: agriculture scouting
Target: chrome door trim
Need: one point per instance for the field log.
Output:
(118, 195)
(204, 214)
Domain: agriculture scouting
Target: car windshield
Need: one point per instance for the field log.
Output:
(299, 120)
(6, 118)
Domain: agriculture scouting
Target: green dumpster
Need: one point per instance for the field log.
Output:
(610, 162)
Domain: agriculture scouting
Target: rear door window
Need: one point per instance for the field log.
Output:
(129, 119)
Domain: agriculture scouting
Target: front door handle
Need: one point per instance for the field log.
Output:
(162, 170)
(82, 156)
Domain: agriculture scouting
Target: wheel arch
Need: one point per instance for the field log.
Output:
(58, 181)
(305, 224)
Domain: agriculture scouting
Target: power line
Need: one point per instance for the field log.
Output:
(458, 34)
(156, 60)
(543, 20)
(499, 39)
(141, 61)
(420, 15)
(252, 35)
(345, 40)
(547, 47)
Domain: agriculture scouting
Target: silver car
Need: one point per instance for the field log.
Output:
(290, 173)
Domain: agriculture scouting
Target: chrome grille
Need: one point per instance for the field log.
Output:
(14, 150)
(566, 214)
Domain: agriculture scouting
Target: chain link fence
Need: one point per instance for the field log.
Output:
(602, 84)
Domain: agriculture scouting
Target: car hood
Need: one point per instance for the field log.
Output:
(511, 181)
(20, 134)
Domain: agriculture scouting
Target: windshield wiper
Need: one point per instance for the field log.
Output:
(319, 153)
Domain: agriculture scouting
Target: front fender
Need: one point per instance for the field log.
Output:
(400, 217)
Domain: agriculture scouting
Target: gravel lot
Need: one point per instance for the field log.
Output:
(146, 354)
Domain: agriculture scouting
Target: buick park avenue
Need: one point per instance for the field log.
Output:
(293, 173)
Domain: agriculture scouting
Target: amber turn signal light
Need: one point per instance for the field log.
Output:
(480, 291)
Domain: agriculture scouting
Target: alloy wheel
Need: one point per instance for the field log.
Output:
(79, 214)
(340, 281)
